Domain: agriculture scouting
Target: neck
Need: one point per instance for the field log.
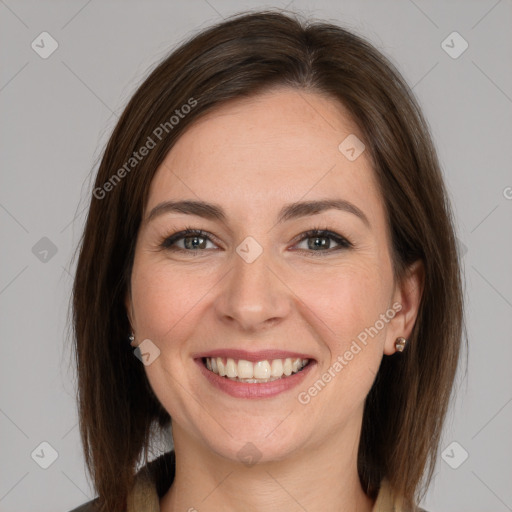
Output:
(317, 478)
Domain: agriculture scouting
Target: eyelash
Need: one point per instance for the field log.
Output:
(317, 232)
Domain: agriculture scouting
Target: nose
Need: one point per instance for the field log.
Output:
(253, 296)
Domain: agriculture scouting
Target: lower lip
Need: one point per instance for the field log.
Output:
(256, 390)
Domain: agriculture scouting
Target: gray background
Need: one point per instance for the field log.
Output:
(56, 115)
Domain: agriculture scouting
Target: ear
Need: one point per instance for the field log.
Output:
(407, 295)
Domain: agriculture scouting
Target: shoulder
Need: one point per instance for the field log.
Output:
(90, 506)
(386, 501)
(157, 474)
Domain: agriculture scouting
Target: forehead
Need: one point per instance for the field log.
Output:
(275, 147)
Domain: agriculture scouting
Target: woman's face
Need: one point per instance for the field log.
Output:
(254, 287)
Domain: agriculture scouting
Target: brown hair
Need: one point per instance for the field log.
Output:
(239, 57)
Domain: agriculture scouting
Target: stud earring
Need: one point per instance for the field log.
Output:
(131, 338)
(400, 344)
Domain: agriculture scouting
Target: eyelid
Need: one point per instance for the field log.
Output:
(187, 232)
(342, 241)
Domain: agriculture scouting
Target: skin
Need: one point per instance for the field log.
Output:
(252, 157)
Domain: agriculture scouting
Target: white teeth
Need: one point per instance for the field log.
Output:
(257, 381)
(276, 370)
(262, 370)
(245, 369)
(258, 372)
(231, 370)
(220, 366)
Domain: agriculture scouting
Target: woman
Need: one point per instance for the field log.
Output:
(270, 230)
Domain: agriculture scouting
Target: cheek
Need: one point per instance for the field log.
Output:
(163, 298)
(348, 300)
(166, 304)
(345, 311)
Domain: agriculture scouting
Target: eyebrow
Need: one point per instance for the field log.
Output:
(288, 212)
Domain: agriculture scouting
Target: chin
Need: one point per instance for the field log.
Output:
(260, 444)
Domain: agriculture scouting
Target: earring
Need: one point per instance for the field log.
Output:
(400, 344)
(131, 338)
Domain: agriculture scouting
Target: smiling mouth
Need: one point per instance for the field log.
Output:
(259, 372)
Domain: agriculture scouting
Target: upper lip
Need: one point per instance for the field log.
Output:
(261, 355)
